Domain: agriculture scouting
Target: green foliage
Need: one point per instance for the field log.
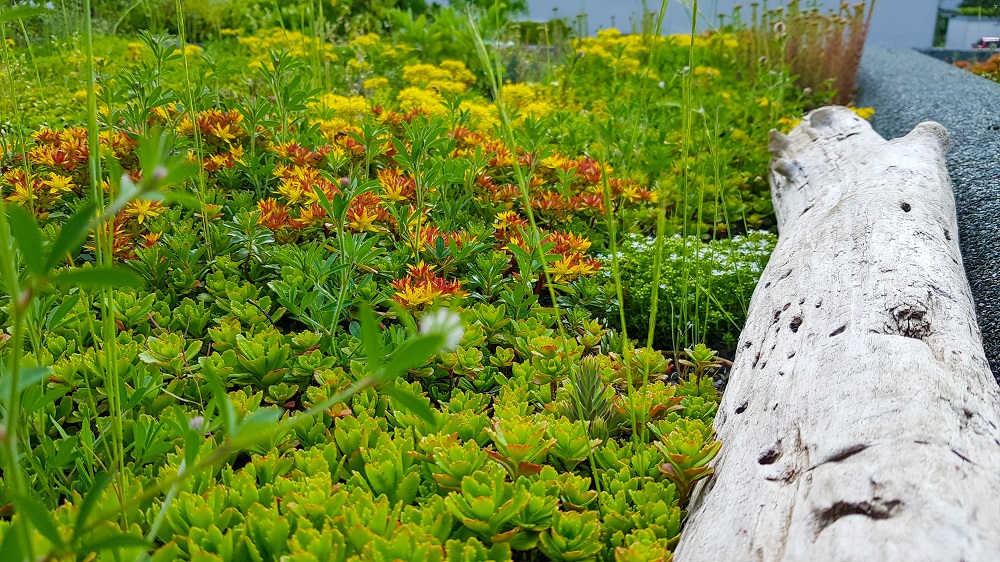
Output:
(351, 319)
(713, 282)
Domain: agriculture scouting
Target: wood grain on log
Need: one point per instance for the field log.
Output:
(860, 422)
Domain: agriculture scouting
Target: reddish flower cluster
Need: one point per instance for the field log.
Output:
(422, 286)
(300, 155)
(365, 211)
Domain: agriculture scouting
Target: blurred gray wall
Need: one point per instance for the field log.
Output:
(896, 23)
(963, 31)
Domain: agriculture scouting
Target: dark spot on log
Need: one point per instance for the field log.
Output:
(784, 308)
(802, 301)
(762, 365)
(909, 321)
(922, 442)
(770, 455)
(795, 323)
(838, 331)
(806, 210)
(846, 453)
(819, 303)
(968, 413)
(905, 207)
(961, 456)
(781, 373)
(791, 354)
(947, 235)
(755, 360)
(775, 407)
(748, 345)
(785, 274)
(742, 407)
(877, 508)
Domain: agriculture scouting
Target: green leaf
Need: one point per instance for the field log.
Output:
(413, 352)
(97, 277)
(10, 547)
(56, 316)
(21, 12)
(370, 337)
(71, 235)
(410, 402)
(90, 502)
(117, 542)
(40, 518)
(185, 200)
(222, 400)
(28, 377)
(29, 239)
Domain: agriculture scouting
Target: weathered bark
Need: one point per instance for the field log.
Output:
(860, 421)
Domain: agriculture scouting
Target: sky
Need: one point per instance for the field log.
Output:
(897, 23)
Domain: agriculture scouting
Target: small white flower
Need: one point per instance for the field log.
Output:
(445, 323)
(661, 84)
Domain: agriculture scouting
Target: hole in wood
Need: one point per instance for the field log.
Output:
(876, 508)
(905, 207)
(839, 330)
(742, 408)
(795, 323)
(771, 455)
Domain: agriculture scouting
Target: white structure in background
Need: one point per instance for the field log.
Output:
(896, 23)
(963, 31)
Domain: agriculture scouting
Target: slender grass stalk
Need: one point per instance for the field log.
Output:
(105, 256)
(496, 85)
(680, 334)
(192, 112)
(18, 115)
(13, 475)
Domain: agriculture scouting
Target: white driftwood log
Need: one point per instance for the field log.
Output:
(860, 422)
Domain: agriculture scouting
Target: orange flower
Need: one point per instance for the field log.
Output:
(272, 215)
(364, 211)
(396, 186)
(422, 286)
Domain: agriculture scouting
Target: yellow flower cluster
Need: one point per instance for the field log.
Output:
(611, 44)
(366, 41)
(449, 76)
(293, 42)
(352, 108)
(863, 112)
(527, 98)
(376, 83)
(423, 99)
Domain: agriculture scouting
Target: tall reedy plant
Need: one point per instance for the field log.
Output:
(494, 75)
(192, 111)
(104, 251)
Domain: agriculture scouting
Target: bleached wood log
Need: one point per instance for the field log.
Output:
(860, 422)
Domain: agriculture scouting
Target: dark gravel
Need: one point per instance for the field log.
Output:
(905, 88)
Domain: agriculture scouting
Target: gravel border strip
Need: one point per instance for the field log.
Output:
(905, 88)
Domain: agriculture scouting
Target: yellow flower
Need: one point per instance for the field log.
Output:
(142, 209)
(351, 108)
(135, 49)
(428, 100)
(58, 184)
(366, 41)
(863, 112)
(376, 83)
(190, 49)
